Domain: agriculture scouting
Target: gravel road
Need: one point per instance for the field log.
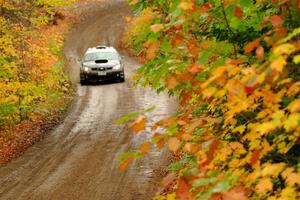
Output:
(78, 159)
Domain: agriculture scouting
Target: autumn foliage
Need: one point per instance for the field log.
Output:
(33, 85)
(235, 67)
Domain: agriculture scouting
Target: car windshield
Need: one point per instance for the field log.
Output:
(101, 56)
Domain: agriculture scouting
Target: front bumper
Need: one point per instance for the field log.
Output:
(102, 75)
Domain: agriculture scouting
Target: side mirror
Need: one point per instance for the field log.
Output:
(122, 57)
(79, 60)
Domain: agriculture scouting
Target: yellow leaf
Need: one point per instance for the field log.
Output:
(284, 49)
(239, 129)
(293, 179)
(186, 5)
(278, 64)
(139, 124)
(209, 92)
(174, 144)
(156, 27)
(292, 122)
(171, 196)
(265, 128)
(288, 193)
(294, 106)
(264, 185)
(296, 59)
(273, 169)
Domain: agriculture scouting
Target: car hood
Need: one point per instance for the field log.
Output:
(110, 63)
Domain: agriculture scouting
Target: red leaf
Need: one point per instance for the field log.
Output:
(249, 89)
(298, 4)
(255, 157)
(238, 12)
(211, 152)
(183, 190)
(251, 46)
(281, 31)
(276, 20)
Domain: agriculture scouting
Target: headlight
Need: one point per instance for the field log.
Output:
(118, 66)
(86, 69)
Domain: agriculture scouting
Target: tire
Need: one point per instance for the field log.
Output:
(82, 82)
(122, 80)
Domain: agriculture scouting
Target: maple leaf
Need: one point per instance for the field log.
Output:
(133, 2)
(273, 169)
(185, 5)
(292, 122)
(278, 64)
(145, 147)
(238, 12)
(125, 164)
(255, 157)
(171, 83)
(236, 193)
(174, 144)
(251, 46)
(260, 52)
(264, 185)
(294, 106)
(276, 20)
(157, 27)
(139, 124)
(183, 190)
(152, 50)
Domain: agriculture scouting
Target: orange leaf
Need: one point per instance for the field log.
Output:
(174, 144)
(183, 190)
(238, 12)
(128, 19)
(185, 5)
(171, 83)
(276, 20)
(160, 143)
(139, 124)
(264, 185)
(152, 51)
(260, 52)
(125, 164)
(251, 46)
(237, 193)
(278, 64)
(156, 27)
(145, 147)
(194, 68)
(133, 2)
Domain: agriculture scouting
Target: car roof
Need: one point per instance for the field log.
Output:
(101, 48)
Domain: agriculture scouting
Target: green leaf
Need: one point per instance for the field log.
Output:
(127, 118)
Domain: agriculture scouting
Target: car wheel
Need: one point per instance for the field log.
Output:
(122, 80)
(82, 82)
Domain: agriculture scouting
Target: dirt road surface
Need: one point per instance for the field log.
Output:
(78, 159)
